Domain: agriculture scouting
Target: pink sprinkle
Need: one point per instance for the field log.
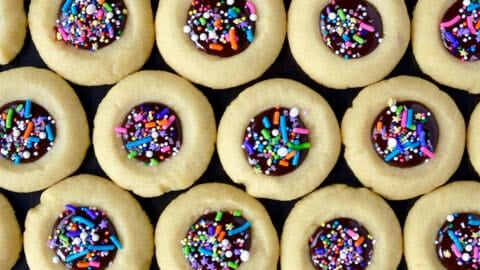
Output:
(94, 264)
(451, 22)
(122, 130)
(367, 27)
(62, 32)
(165, 149)
(138, 117)
(100, 13)
(251, 7)
(302, 131)
(404, 118)
(475, 252)
(427, 152)
(171, 119)
(455, 251)
(470, 25)
(352, 234)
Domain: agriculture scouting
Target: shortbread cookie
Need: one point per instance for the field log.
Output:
(445, 41)
(442, 229)
(87, 221)
(356, 217)
(343, 44)
(13, 28)
(473, 139)
(403, 137)
(220, 44)
(92, 42)
(43, 129)
(216, 226)
(154, 132)
(270, 139)
(10, 235)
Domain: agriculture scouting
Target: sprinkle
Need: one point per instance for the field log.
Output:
(276, 141)
(221, 28)
(91, 24)
(209, 241)
(83, 237)
(27, 131)
(151, 133)
(350, 30)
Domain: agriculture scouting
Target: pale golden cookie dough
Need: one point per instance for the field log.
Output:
(13, 29)
(220, 72)
(105, 66)
(182, 212)
(197, 125)
(324, 138)
(50, 91)
(131, 223)
(428, 215)
(473, 139)
(432, 57)
(393, 182)
(331, 70)
(341, 201)
(10, 235)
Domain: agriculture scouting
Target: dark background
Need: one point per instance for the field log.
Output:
(284, 67)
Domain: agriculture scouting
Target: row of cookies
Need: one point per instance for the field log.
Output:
(334, 41)
(396, 132)
(86, 222)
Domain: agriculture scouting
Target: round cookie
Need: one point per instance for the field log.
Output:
(323, 65)
(215, 204)
(213, 71)
(394, 181)
(13, 29)
(428, 43)
(36, 151)
(80, 61)
(10, 235)
(338, 203)
(473, 143)
(97, 208)
(191, 153)
(427, 217)
(317, 146)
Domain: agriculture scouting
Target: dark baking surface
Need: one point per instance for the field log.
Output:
(284, 67)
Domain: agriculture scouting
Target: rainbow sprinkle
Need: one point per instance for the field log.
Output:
(341, 244)
(405, 134)
(352, 29)
(223, 28)
(276, 141)
(27, 132)
(218, 240)
(151, 133)
(460, 30)
(91, 24)
(84, 238)
(458, 242)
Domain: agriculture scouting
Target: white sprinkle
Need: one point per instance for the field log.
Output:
(294, 112)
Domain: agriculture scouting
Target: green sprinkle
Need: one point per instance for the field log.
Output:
(10, 118)
(107, 6)
(219, 216)
(203, 21)
(358, 39)
(186, 250)
(302, 146)
(266, 134)
(132, 154)
(19, 108)
(153, 162)
(237, 213)
(341, 14)
(232, 265)
(64, 238)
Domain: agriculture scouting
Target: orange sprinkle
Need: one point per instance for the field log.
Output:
(28, 131)
(379, 126)
(477, 26)
(150, 125)
(162, 122)
(276, 117)
(290, 155)
(215, 47)
(218, 229)
(4, 115)
(221, 236)
(359, 241)
(283, 163)
(82, 264)
(101, 2)
(217, 23)
(233, 39)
